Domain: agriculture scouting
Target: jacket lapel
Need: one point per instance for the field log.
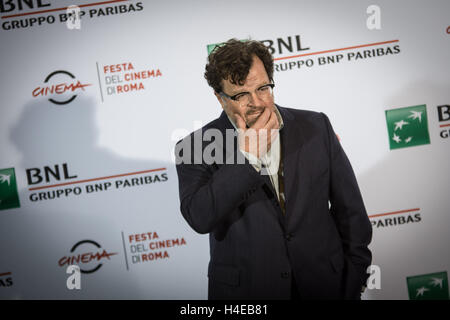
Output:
(223, 124)
(296, 180)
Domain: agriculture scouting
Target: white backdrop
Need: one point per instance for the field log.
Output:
(124, 141)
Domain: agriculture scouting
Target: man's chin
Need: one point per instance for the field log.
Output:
(251, 122)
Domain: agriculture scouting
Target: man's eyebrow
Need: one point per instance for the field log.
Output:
(238, 92)
(241, 92)
(259, 86)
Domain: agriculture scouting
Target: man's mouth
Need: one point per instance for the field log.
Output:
(255, 112)
(252, 116)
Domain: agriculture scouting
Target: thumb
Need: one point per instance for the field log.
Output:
(240, 123)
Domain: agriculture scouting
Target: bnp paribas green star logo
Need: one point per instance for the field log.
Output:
(9, 197)
(432, 286)
(211, 47)
(407, 127)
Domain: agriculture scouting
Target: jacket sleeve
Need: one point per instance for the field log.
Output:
(208, 193)
(349, 214)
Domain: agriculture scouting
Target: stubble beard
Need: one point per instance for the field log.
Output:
(253, 113)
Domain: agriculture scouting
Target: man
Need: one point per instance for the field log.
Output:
(289, 221)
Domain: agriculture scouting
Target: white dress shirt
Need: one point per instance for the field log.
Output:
(271, 160)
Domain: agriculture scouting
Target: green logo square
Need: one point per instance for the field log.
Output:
(407, 127)
(210, 47)
(9, 197)
(432, 286)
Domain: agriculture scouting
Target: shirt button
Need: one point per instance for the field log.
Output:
(288, 237)
(285, 275)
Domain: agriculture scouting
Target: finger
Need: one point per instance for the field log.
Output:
(272, 123)
(277, 121)
(240, 123)
(271, 128)
(273, 134)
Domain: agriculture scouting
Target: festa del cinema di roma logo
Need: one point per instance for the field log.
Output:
(407, 127)
(61, 86)
(87, 254)
(123, 77)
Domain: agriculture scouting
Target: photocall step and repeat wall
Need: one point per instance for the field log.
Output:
(94, 96)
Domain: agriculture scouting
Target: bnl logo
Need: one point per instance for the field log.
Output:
(9, 197)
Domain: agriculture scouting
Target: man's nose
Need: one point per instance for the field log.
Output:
(255, 99)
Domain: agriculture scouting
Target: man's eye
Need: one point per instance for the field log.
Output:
(264, 88)
(241, 96)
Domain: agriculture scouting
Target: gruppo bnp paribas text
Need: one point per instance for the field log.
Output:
(48, 12)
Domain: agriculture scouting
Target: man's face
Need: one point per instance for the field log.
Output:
(256, 78)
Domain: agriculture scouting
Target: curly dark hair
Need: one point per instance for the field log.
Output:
(232, 60)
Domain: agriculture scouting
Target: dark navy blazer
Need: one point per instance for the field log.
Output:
(320, 244)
